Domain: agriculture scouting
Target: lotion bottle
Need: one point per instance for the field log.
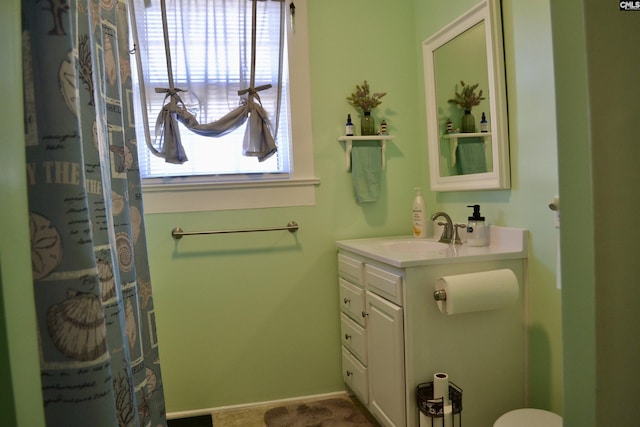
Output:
(419, 215)
(477, 230)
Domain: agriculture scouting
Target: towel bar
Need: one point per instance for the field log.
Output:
(349, 140)
(178, 232)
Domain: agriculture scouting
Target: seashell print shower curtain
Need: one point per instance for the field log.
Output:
(98, 346)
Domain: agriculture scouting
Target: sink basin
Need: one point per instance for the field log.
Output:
(415, 245)
(407, 251)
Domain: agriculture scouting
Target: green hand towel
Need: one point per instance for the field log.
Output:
(366, 171)
(470, 156)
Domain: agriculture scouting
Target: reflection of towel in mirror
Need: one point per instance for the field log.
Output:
(470, 156)
(366, 171)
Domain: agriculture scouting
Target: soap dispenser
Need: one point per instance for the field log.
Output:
(477, 229)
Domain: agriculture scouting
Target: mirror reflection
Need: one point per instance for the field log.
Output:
(467, 54)
(466, 106)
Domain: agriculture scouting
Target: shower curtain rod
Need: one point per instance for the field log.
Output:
(178, 232)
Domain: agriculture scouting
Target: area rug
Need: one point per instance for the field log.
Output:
(322, 413)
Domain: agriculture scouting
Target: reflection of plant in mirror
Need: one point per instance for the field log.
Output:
(467, 97)
(361, 99)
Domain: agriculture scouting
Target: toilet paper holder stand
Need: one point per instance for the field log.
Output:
(434, 408)
(440, 295)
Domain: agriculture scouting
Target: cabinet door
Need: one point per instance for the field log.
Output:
(385, 345)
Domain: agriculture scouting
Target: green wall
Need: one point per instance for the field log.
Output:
(577, 211)
(534, 174)
(20, 398)
(597, 66)
(254, 317)
(262, 308)
(532, 123)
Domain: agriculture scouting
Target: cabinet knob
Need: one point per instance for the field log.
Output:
(347, 336)
(364, 314)
(349, 373)
(346, 300)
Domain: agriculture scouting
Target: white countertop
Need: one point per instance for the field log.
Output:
(399, 251)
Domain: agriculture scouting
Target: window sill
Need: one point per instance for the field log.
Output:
(174, 198)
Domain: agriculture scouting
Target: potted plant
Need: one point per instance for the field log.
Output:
(365, 101)
(466, 99)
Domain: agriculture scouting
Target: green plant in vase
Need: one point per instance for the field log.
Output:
(466, 99)
(365, 101)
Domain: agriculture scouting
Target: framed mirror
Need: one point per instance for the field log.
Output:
(462, 59)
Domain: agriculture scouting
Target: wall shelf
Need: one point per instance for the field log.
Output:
(456, 136)
(453, 138)
(350, 140)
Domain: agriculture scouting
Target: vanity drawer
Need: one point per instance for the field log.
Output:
(352, 301)
(354, 338)
(350, 269)
(384, 283)
(355, 376)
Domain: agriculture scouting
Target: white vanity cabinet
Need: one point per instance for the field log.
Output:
(372, 334)
(403, 339)
(352, 326)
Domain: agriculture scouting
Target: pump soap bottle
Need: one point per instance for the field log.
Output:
(419, 215)
(477, 230)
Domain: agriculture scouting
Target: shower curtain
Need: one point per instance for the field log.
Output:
(98, 346)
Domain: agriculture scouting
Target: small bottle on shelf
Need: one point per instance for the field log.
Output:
(349, 126)
(484, 125)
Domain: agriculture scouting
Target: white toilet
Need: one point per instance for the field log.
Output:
(529, 417)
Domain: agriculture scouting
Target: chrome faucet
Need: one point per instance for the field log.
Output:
(450, 231)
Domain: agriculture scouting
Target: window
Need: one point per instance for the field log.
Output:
(217, 175)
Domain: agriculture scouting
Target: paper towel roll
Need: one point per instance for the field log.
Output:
(488, 290)
(441, 387)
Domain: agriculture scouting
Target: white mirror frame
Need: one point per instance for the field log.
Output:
(499, 178)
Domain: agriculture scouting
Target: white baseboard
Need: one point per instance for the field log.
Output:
(279, 402)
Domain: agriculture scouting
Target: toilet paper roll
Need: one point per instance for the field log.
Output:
(446, 421)
(441, 387)
(488, 290)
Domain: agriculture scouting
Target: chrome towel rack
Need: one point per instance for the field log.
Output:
(178, 232)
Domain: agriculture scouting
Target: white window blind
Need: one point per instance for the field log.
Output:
(210, 50)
